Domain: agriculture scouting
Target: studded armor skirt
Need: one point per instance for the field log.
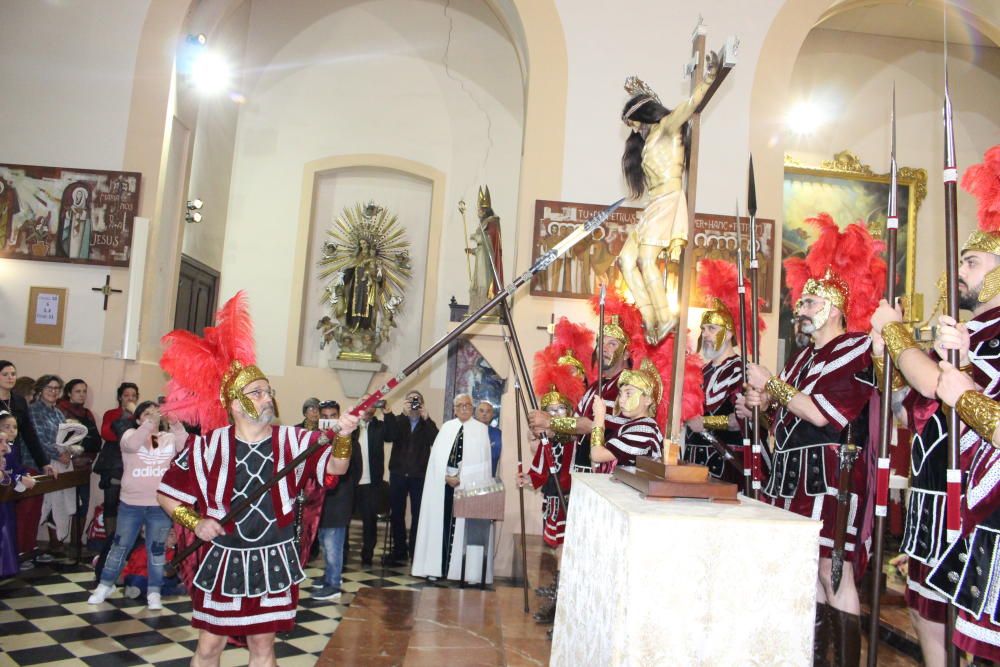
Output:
(804, 481)
(924, 542)
(967, 575)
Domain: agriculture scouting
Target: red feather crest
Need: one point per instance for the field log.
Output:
(853, 256)
(196, 365)
(983, 181)
(579, 340)
(718, 279)
(549, 374)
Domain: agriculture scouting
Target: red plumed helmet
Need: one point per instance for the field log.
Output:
(844, 266)
(718, 279)
(207, 372)
(983, 181)
(552, 375)
(625, 316)
(577, 340)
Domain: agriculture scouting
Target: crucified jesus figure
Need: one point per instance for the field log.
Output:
(653, 163)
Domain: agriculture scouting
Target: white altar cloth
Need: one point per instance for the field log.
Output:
(683, 582)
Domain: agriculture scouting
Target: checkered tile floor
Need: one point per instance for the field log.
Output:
(45, 618)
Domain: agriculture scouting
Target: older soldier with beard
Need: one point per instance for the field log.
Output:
(722, 375)
(822, 396)
(246, 579)
(934, 565)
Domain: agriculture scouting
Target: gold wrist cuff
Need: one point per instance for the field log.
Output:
(565, 425)
(898, 382)
(186, 516)
(979, 412)
(597, 436)
(342, 447)
(966, 368)
(716, 422)
(780, 390)
(898, 338)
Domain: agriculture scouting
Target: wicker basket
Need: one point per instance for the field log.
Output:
(482, 500)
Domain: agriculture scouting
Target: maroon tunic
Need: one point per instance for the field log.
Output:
(722, 383)
(612, 422)
(636, 437)
(805, 474)
(558, 454)
(244, 587)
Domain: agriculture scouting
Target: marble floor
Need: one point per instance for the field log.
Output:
(385, 617)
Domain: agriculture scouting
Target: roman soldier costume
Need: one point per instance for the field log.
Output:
(243, 582)
(966, 573)
(721, 381)
(842, 267)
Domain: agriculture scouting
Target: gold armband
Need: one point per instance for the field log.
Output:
(186, 516)
(716, 422)
(898, 382)
(979, 412)
(780, 390)
(566, 425)
(898, 338)
(966, 368)
(597, 436)
(342, 447)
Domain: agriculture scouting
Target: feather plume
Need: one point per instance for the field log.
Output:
(853, 256)
(629, 318)
(549, 374)
(578, 339)
(983, 181)
(196, 365)
(718, 279)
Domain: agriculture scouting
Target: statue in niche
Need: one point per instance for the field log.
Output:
(487, 252)
(367, 264)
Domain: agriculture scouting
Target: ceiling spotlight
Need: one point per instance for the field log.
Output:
(193, 216)
(805, 118)
(210, 73)
(194, 204)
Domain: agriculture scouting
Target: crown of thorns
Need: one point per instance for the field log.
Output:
(635, 86)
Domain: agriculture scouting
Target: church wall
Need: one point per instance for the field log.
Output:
(852, 75)
(212, 150)
(297, 113)
(68, 70)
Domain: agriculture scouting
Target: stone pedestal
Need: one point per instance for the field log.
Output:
(355, 376)
(683, 582)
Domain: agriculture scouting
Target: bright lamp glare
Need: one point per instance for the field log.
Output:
(805, 118)
(210, 73)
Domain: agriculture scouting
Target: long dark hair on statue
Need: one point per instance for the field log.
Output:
(649, 113)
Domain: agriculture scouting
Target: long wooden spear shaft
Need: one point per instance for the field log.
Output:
(520, 490)
(886, 424)
(954, 475)
(741, 289)
(543, 263)
(521, 366)
(755, 442)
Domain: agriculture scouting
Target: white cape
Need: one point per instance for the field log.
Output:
(476, 466)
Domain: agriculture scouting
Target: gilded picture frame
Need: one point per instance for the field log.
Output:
(849, 191)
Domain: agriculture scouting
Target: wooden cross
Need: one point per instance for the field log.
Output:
(697, 73)
(550, 328)
(106, 290)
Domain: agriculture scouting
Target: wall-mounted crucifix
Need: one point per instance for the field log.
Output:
(106, 290)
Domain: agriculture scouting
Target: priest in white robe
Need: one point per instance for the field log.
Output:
(460, 457)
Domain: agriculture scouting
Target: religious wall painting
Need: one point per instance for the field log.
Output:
(715, 237)
(850, 191)
(57, 214)
(470, 373)
(575, 275)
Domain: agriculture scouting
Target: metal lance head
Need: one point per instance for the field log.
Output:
(752, 211)
(892, 159)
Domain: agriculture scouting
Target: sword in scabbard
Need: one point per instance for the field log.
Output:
(847, 454)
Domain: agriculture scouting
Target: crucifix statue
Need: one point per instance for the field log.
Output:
(661, 150)
(106, 290)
